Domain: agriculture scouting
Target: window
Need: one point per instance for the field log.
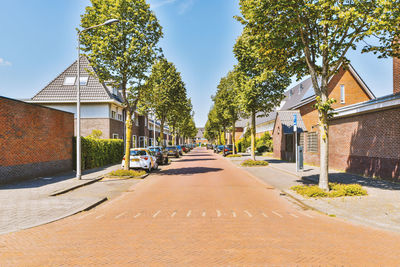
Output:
(134, 141)
(120, 117)
(145, 121)
(290, 92)
(151, 142)
(115, 136)
(83, 80)
(137, 121)
(115, 91)
(142, 141)
(312, 142)
(301, 88)
(113, 114)
(342, 94)
(69, 80)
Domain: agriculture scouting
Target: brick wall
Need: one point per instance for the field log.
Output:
(34, 140)
(396, 75)
(367, 144)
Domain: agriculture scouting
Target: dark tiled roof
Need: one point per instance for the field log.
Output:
(93, 91)
(287, 121)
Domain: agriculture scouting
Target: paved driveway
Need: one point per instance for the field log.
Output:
(200, 211)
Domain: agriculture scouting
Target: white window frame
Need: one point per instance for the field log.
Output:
(134, 140)
(84, 80)
(115, 136)
(71, 80)
(342, 94)
(113, 114)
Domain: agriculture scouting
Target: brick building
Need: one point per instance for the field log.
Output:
(34, 140)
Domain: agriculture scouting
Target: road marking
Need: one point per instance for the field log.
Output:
(155, 214)
(120, 215)
(305, 214)
(248, 213)
(294, 215)
(188, 214)
(173, 214)
(137, 215)
(218, 213)
(203, 214)
(265, 215)
(98, 217)
(234, 214)
(277, 214)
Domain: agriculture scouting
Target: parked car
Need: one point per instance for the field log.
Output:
(185, 149)
(141, 158)
(228, 150)
(218, 149)
(180, 150)
(172, 151)
(209, 146)
(160, 153)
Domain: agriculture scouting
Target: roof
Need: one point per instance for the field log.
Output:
(373, 105)
(287, 121)
(94, 91)
(200, 133)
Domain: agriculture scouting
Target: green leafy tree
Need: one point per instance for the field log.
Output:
(163, 89)
(260, 89)
(312, 37)
(124, 52)
(212, 129)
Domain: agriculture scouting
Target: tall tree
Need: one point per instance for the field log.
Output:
(260, 89)
(313, 37)
(124, 52)
(162, 90)
(226, 102)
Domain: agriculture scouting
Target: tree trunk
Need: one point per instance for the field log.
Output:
(253, 135)
(162, 132)
(233, 138)
(128, 138)
(324, 149)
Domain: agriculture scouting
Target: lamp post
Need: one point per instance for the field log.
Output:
(78, 99)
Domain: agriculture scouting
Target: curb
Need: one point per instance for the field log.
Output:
(63, 191)
(104, 199)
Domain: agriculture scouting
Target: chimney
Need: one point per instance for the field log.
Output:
(396, 75)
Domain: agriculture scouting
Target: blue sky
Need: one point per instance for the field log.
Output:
(38, 41)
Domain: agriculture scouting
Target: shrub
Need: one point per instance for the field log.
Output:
(234, 156)
(250, 163)
(336, 190)
(99, 152)
(127, 173)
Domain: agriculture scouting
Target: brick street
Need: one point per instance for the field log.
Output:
(200, 211)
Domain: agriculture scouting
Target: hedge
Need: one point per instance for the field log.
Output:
(99, 152)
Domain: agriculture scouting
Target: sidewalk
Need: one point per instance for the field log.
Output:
(43, 200)
(381, 208)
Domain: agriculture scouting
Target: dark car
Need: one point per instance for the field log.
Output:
(218, 149)
(172, 151)
(209, 146)
(185, 149)
(180, 150)
(228, 150)
(160, 154)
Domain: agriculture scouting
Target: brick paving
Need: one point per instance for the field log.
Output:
(200, 211)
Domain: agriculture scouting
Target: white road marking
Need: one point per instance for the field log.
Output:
(173, 214)
(203, 214)
(137, 215)
(265, 215)
(294, 215)
(155, 214)
(248, 213)
(120, 215)
(234, 214)
(188, 214)
(277, 214)
(218, 213)
(305, 214)
(98, 217)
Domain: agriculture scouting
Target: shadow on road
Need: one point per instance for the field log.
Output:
(190, 171)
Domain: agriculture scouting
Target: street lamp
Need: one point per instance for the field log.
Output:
(78, 99)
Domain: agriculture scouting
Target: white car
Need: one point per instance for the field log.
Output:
(141, 158)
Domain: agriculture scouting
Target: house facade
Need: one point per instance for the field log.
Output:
(346, 87)
(101, 105)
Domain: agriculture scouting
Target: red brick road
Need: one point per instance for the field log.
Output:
(201, 211)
